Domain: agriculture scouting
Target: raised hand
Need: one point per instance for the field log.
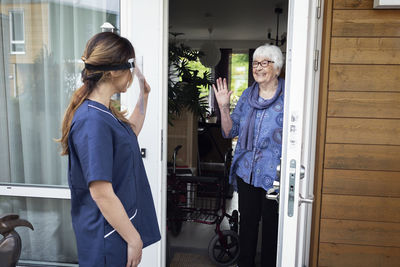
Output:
(222, 94)
(144, 86)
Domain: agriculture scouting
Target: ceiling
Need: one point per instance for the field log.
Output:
(229, 19)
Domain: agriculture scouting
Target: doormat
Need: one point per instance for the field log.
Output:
(190, 260)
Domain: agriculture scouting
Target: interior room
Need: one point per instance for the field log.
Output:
(226, 33)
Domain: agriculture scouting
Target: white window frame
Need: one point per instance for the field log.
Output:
(37, 191)
(15, 42)
(388, 4)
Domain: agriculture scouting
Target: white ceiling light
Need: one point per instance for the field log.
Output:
(282, 40)
(212, 54)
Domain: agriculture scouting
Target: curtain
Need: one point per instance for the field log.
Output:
(251, 78)
(222, 70)
(37, 78)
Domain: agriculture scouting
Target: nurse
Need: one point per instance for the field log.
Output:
(112, 208)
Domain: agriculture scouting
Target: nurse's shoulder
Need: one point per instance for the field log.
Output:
(91, 115)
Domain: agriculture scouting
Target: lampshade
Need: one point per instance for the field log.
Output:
(212, 54)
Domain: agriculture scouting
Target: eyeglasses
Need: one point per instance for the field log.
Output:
(264, 63)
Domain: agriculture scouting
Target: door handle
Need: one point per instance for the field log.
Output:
(305, 200)
(273, 193)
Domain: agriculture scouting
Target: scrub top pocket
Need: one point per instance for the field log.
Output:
(115, 246)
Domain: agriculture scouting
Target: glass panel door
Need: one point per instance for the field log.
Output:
(41, 46)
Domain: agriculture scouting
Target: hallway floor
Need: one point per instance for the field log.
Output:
(190, 247)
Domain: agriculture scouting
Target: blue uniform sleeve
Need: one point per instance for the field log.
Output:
(236, 116)
(93, 142)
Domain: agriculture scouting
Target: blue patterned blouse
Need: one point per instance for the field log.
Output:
(267, 142)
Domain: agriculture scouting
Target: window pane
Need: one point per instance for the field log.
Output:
(18, 48)
(37, 85)
(17, 26)
(239, 76)
(53, 239)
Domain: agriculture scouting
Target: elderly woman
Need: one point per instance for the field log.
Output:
(257, 121)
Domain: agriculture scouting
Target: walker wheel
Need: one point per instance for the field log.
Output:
(175, 227)
(234, 221)
(224, 250)
(174, 220)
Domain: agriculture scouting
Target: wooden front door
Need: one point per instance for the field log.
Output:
(357, 189)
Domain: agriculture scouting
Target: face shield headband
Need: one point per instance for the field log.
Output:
(125, 66)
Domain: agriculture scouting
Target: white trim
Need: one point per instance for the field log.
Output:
(145, 24)
(164, 130)
(110, 233)
(35, 191)
(89, 105)
(17, 53)
(309, 134)
(14, 70)
(299, 131)
(44, 263)
(389, 4)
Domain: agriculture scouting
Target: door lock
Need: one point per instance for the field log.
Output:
(292, 179)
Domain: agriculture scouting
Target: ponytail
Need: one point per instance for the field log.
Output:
(77, 99)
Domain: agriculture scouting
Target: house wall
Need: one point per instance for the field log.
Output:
(357, 218)
(183, 132)
(36, 29)
(36, 34)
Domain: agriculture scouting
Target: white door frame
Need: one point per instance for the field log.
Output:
(299, 131)
(152, 48)
(145, 24)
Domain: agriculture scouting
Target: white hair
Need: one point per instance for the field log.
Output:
(272, 52)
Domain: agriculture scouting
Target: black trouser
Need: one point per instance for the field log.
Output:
(252, 207)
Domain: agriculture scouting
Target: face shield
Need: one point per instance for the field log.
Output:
(131, 62)
(135, 71)
(130, 65)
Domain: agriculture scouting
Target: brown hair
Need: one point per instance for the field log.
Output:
(104, 48)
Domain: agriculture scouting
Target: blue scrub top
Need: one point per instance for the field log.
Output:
(101, 147)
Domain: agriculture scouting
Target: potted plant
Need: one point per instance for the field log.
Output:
(185, 83)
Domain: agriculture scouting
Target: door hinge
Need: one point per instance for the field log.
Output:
(318, 9)
(316, 60)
